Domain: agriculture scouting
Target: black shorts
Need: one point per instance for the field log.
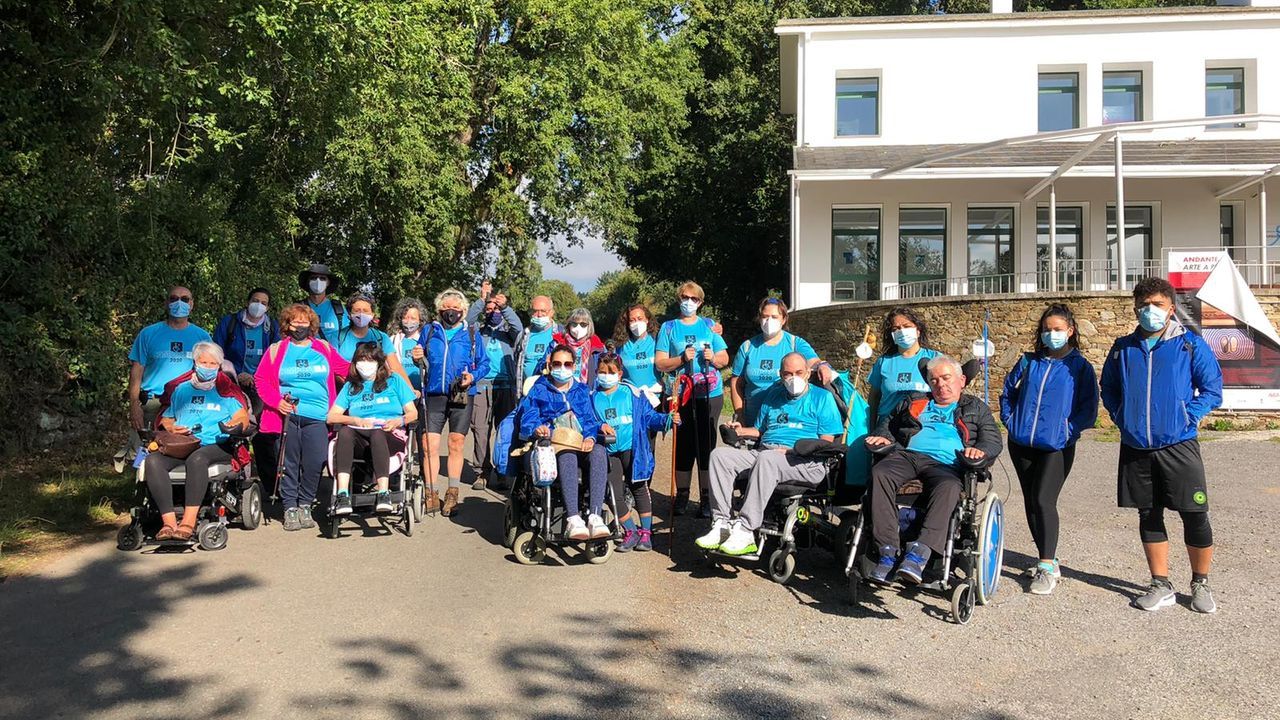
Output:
(439, 409)
(1169, 477)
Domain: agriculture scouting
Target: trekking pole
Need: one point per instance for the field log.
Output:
(284, 438)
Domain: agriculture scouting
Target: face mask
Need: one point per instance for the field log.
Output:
(639, 328)
(205, 374)
(495, 318)
(179, 309)
(561, 374)
(367, 369)
(607, 380)
(318, 285)
(539, 322)
(451, 317)
(770, 326)
(1152, 318)
(905, 338)
(361, 320)
(1054, 339)
(300, 333)
(795, 385)
(409, 327)
(688, 307)
(578, 332)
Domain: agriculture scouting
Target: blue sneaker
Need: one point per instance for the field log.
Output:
(630, 539)
(912, 567)
(883, 569)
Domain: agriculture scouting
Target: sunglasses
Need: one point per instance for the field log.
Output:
(183, 298)
(690, 297)
(561, 364)
(578, 324)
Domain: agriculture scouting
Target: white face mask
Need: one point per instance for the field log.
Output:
(770, 326)
(367, 369)
(905, 337)
(795, 385)
(257, 309)
(578, 332)
(639, 328)
(318, 285)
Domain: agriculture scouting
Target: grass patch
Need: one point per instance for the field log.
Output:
(52, 498)
(1107, 434)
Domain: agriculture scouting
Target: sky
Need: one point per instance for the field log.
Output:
(587, 264)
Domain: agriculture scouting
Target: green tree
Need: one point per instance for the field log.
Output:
(618, 289)
(562, 295)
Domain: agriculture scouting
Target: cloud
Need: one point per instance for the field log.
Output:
(586, 264)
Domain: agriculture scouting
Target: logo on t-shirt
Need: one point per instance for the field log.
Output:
(690, 340)
(175, 346)
(783, 418)
(539, 348)
(197, 399)
(611, 414)
(302, 362)
(251, 344)
(642, 355)
(904, 378)
(766, 364)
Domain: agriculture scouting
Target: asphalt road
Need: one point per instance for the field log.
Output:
(447, 625)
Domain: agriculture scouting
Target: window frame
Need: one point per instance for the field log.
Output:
(942, 235)
(1077, 106)
(873, 279)
(1139, 95)
(876, 97)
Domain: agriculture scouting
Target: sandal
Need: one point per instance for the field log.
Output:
(167, 532)
(184, 532)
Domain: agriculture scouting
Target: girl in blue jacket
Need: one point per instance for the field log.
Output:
(1049, 398)
(627, 422)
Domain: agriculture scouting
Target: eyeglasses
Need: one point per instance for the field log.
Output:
(183, 298)
(690, 297)
(561, 364)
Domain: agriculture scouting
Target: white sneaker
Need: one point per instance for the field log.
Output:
(741, 541)
(718, 534)
(575, 528)
(597, 528)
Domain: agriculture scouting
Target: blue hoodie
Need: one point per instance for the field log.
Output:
(545, 403)
(1158, 396)
(644, 420)
(446, 361)
(1047, 402)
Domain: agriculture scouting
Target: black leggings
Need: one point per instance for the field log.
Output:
(378, 445)
(1196, 531)
(157, 466)
(696, 436)
(1042, 473)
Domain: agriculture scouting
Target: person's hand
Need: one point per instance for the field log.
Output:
(486, 287)
(781, 450)
(245, 379)
(501, 300)
(286, 408)
(416, 353)
(877, 441)
(542, 431)
(363, 422)
(708, 354)
(606, 430)
(465, 379)
(974, 453)
(734, 424)
(180, 430)
(717, 328)
(417, 394)
(135, 415)
(588, 445)
(392, 424)
(675, 419)
(689, 354)
(827, 374)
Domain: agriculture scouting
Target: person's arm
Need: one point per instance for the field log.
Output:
(988, 439)
(1012, 386)
(410, 412)
(1084, 402)
(473, 312)
(737, 396)
(1206, 379)
(664, 361)
(338, 365)
(397, 367)
(513, 321)
(1113, 383)
(135, 396)
(240, 419)
(267, 378)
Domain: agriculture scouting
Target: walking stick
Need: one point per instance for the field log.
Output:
(284, 438)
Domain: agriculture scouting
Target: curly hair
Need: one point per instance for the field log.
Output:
(296, 311)
(886, 329)
(622, 328)
(404, 306)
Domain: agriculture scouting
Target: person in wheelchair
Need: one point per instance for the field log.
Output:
(925, 432)
(197, 407)
(789, 411)
(370, 414)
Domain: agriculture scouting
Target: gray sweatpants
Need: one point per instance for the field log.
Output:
(769, 468)
(488, 408)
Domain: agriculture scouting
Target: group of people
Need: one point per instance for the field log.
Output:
(324, 367)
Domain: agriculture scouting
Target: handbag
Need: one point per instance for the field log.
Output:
(174, 445)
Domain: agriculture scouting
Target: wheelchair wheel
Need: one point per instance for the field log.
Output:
(418, 502)
(599, 551)
(129, 537)
(510, 525)
(330, 525)
(990, 547)
(251, 507)
(213, 536)
(844, 537)
(529, 548)
(782, 564)
(962, 604)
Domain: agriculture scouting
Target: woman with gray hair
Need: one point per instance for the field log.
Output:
(195, 403)
(454, 358)
(580, 334)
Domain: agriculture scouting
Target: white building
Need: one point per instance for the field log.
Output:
(929, 149)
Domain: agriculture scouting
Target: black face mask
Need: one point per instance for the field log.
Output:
(300, 333)
(451, 317)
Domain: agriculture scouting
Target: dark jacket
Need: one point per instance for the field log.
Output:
(229, 334)
(974, 421)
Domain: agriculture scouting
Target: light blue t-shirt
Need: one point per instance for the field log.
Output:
(675, 336)
(164, 353)
(255, 344)
(386, 405)
(758, 363)
(347, 342)
(538, 343)
(304, 374)
(615, 410)
(784, 420)
(896, 377)
(938, 437)
(499, 372)
(330, 323)
(189, 407)
(407, 345)
(637, 361)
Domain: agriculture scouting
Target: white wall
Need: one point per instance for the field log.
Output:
(966, 82)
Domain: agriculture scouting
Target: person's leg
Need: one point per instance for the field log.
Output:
(266, 455)
(567, 473)
(291, 482)
(598, 476)
(315, 453)
(1155, 541)
(1026, 465)
(380, 456)
(155, 469)
(686, 454)
(504, 403)
(197, 484)
(618, 484)
(942, 493)
(887, 477)
(710, 422)
(773, 468)
(644, 505)
(479, 430)
(433, 461)
(1198, 535)
(726, 464)
(459, 421)
(344, 453)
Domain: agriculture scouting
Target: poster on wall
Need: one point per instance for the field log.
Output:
(1216, 302)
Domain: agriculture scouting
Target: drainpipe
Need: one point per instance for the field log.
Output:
(1053, 237)
(1262, 218)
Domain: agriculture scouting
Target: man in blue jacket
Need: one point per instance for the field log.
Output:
(499, 327)
(1158, 383)
(244, 336)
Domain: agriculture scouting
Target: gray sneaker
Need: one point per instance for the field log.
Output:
(291, 522)
(1043, 581)
(480, 483)
(1160, 595)
(304, 518)
(1202, 597)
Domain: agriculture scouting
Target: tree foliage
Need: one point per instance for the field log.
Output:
(616, 290)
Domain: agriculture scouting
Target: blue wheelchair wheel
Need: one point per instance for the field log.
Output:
(990, 546)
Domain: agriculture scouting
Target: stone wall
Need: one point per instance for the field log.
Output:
(955, 322)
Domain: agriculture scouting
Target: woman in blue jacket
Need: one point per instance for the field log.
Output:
(627, 421)
(1049, 398)
(558, 400)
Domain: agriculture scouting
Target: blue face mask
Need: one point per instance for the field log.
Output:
(688, 307)
(539, 322)
(1054, 339)
(206, 374)
(495, 318)
(1152, 318)
(905, 337)
(607, 380)
(179, 309)
(562, 374)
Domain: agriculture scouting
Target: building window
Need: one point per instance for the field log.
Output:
(990, 250)
(1139, 238)
(1224, 94)
(1226, 228)
(857, 106)
(1069, 244)
(1059, 101)
(1121, 96)
(855, 254)
(922, 247)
